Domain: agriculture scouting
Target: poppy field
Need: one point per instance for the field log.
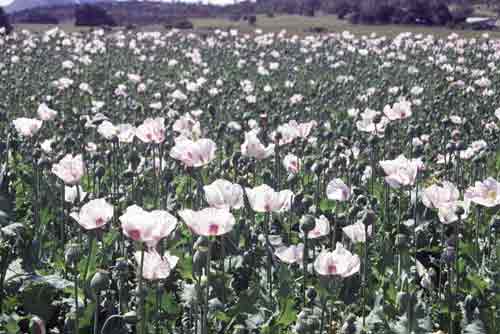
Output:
(232, 182)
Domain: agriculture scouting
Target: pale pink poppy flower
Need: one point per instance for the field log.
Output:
(340, 262)
(337, 190)
(107, 130)
(71, 193)
(253, 148)
(291, 254)
(486, 193)
(356, 232)
(70, 169)
(126, 133)
(264, 199)
(147, 226)
(27, 127)
(156, 267)
(401, 171)
(194, 153)
(321, 228)
(152, 130)
(291, 163)
(187, 126)
(224, 194)
(209, 221)
(45, 113)
(447, 213)
(292, 130)
(399, 110)
(288, 134)
(457, 119)
(46, 145)
(91, 147)
(435, 196)
(303, 129)
(95, 214)
(367, 124)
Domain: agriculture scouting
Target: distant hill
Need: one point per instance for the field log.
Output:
(19, 5)
(129, 12)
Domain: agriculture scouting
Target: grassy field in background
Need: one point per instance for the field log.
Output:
(297, 24)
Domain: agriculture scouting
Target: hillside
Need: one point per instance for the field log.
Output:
(129, 12)
(19, 5)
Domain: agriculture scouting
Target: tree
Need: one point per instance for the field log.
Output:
(4, 21)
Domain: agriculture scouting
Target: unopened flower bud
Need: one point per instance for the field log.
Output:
(130, 317)
(99, 282)
(72, 255)
(307, 223)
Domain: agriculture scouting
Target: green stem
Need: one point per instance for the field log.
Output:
(76, 304)
(207, 288)
(142, 309)
(96, 313)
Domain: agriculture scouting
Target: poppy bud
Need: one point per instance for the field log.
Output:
(459, 211)
(361, 201)
(72, 254)
(130, 317)
(349, 327)
(240, 329)
(199, 261)
(307, 223)
(401, 240)
(311, 294)
(369, 217)
(495, 224)
(450, 147)
(201, 244)
(69, 143)
(470, 304)
(448, 255)
(100, 171)
(134, 159)
(99, 282)
(37, 326)
(44, 163)
(37, 153)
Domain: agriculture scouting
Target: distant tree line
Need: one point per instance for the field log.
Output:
(4, 22)
(428, 12)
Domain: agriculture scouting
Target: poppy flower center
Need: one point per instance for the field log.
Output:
(99, 221)
(492, 194)
(134, 234)
(213, 229)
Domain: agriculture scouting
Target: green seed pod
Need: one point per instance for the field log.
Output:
(307, 223)
(99, 282)
(130, 317)
(72, 255)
